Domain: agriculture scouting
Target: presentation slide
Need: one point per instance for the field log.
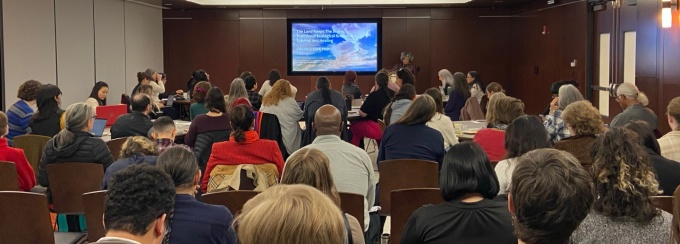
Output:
(334, 47)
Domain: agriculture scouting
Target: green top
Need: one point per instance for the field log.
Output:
(197, 109)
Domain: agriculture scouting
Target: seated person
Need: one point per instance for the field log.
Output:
(458, 96)
(193, 221)
(470, 215)
(217, 118)
(98, 95)
(440, 121)
(549, 196)
(136, 123)
(669, 141)
(371, 111)
(630, 99)
(163, 132)
(323, 95)
(280, 102)
(20, 113)
(254, 97)
(200, 92)
(555, 90)
(349, 85)
(138, 206)
(48, 120)
(667, 170)
(553, 121)
(584, 123)
(136, 150)
(16, 156)
(399, 104)
(502, 111)
(244, 146)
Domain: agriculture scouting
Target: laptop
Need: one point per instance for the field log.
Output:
(111, 112)
(170, 101)
(98, 127)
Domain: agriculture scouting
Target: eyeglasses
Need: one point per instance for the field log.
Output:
(94, 116)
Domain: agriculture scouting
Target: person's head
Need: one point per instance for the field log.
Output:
(180, 163)
(250, 82)
(466, 169)
(406, 92)
(406, 57)
(48, 98)
(28, 90)
(141, 103)
(581, 118)
(555, 86)
(384, 71)
(143, 78)
(550, 195)
(139, 201)
(645, 135)
(4, 125)
(493, 88)
(152, 73)
(628, 94)
(99, 92)
(327, 121)
(311, 167)
(404, 76)
(163, 128)
(200, 75)
(524, 134)
(624, 177)
(446, 77)
(474, 78)
(274, 75)
(138, 146)
(237, 89)
(78, 118)
(567, 95)
(289, 214)
(214, 100)
(436, 95)
(245, 74)
(323, 83)
(460, 86)
(381, 80)
(241, 119)
(420, 112)
(201, 91)
(281, 90)
(503, 110)
(164, 76)
(673, 113)
(350, 78)
(145, 89)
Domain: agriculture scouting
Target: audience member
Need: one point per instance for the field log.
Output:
(446, 78)
(274, 76)
(244, 146)
(406, 63)
(253, 97)
(136, 150)
(624, 182)
(349, 85)
(245, 74)
(399, 104)
(322, 96)
(629, 98)
(371, 111)
(667, 170)
(549, 197)
(392, 77)
(502, 111)
(410, 138)
(523, 135)
(237, 90)
(196, 77)
(136, 123)
(476, 85)
(20, 113)
(98, 94)
(157, 85)
(669, 143)
(405, 76)
(457, 97)
(584, 124)
(555, 89)
(142, 79)
(491, 89)
(193, 221)
(311, 167)
(199, 93)
(216, 119)
(74, 143)
(469, 215)
(155, 107)
(138, 206)
(280, 102)
(441, 122)
(48, 120)
(16, 156)
(351, 167)
(554, 123)
(163, 133)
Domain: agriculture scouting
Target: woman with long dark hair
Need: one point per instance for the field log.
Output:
(399, 104)
(98, 95)
(48, 120)
(404, 76)
(476, 85)
(457, 97)
(196, 77)
(274, 76)
(217, 118)
(142, 79)
(371, 111)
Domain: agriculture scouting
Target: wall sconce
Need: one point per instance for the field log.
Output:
(667, 7)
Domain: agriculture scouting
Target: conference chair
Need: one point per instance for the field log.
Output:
(115, 146)
(33, 146)
(353, 204)
(233, 200)
(9, 181)
(405, 174)
(31, 221)
(93, 206)
(664, 203)
(68, 183)
(405, 202)
(382, 125)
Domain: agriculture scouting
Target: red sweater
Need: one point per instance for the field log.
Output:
(24, 169)
(493, 143)
(253, 151)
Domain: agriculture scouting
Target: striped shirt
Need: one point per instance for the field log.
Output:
(19, 116)
(670, 145)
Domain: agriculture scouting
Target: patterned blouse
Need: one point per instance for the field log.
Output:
(557, 130)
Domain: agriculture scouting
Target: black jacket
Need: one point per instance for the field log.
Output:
(83, 149)
(203, 146)
(132, 124)
(667, 172)
(49, 126)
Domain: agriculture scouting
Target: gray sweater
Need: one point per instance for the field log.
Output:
(597, 228)
(399, 108)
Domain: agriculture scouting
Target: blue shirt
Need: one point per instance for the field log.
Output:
(18, 117)
(412, 142)
(197, 222)
(454, 105)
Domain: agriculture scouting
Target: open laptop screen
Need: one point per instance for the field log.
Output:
(98, 127)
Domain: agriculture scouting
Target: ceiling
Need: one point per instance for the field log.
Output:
(183, 4)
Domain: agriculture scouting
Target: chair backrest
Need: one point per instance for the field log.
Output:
(115, 146)
(233, 200)
(93, 204)
(405, 202)
(68, 183)
(125, 99)
(382, 125)
(664, 203)
(270, 128)
(353, 204)
(203, 146)
(31, 223)
(33, 146)
(9, 180)
(405, 174)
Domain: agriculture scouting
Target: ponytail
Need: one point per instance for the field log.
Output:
(239, 135)
(642, 98)
(326, 94)
(241, 118)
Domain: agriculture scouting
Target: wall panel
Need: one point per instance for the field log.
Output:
(109, 37)
(143, 41)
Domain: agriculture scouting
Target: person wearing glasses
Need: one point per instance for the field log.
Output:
(630, 99)
(406, 63)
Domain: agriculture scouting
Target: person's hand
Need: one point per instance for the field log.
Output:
(553, 104)
(161, 104)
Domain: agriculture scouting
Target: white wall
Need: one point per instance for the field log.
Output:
(74, 43)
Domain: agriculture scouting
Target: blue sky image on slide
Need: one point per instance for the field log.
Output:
(318, 47)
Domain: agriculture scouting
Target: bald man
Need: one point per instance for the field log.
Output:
(350, 165)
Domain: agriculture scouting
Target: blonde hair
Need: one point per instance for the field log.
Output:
(136, 145)
(674, 109)
(311, 167)
(280, 90)
(503, 109)
(288, 214)
(583, 118)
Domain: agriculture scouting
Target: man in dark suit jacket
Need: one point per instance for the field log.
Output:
(136, 123)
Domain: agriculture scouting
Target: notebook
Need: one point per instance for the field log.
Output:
(98, 127)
